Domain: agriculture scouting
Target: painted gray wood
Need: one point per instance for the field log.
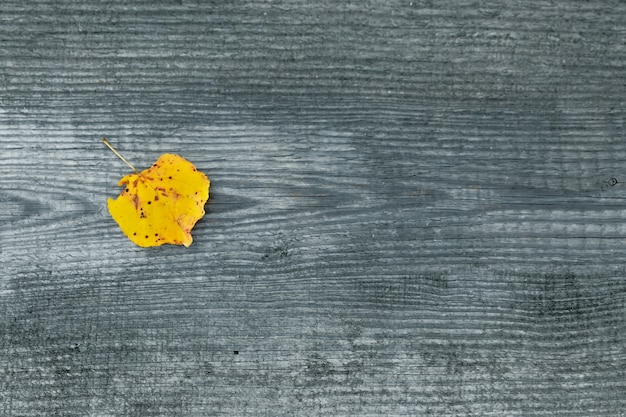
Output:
(417, 208)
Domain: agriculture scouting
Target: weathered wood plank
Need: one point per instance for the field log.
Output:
(416, 209)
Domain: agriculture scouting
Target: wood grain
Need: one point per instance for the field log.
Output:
(417, 208)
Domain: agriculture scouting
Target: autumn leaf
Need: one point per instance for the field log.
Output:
(162, 203)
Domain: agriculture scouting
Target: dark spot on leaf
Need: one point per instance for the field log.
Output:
(135, 234)
(156, 198)
(170, 177)
(126, 190)
(149, 202)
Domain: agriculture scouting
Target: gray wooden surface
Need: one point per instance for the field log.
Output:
(417, 208)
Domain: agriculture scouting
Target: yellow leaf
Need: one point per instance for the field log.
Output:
(162, 203)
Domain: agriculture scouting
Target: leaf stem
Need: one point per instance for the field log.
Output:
(106, 142)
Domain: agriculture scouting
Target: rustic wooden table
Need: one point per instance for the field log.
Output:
(417, 208)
